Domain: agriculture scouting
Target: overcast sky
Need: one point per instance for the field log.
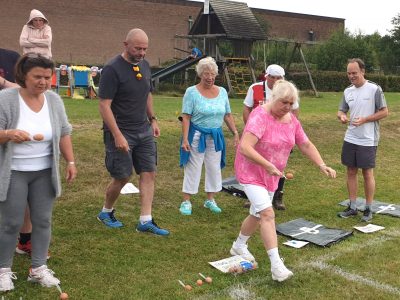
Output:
(362, 16)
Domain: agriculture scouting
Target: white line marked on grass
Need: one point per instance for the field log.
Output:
(354, 277)
(239, 292)
(387, 236)
(319, 262)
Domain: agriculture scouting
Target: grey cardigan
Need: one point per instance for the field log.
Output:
(9, 114)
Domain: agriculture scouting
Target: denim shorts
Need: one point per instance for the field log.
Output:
(356, 156)
(142, 154)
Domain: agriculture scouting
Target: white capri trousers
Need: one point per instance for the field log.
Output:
(212, 164)
(260, 198)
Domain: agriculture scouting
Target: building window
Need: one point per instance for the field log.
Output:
(311, 35)
(190, 22)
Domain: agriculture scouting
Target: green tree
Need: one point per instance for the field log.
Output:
(334, 53)
(395, 32)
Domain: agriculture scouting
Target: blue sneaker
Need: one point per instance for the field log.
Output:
(108, 219)
(151, 227)
(186, 208)
(212, 205)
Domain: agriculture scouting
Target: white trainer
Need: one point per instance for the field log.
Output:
(242, 251)
(6, 278)
(280, 272)
(44, 276)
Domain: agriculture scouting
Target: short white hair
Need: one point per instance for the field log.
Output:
(284, 89)
(207, 63)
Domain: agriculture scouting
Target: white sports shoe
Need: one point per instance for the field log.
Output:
(280, 272)
(44, 276)
(6, 278)
(242, 251)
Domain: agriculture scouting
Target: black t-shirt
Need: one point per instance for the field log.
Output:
(8, 59)
(120, 83)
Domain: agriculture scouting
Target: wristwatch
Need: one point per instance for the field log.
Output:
(153, 118)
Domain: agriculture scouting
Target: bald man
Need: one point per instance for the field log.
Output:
(130, 128)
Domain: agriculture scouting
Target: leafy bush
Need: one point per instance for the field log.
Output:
(330, 81)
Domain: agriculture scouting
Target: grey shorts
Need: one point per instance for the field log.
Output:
(356, 156)
(142, 154)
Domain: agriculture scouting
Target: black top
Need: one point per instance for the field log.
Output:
(128, 91)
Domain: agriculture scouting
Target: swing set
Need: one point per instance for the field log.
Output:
(297, 48)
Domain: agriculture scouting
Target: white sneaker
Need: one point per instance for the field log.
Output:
(242, 251)
(6, 278)
(44, 276)
(280, 272)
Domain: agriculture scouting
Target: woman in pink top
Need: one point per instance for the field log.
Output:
(270, 133)
(36, 35)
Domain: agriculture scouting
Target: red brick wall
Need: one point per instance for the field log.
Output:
(296, 26)
(91, 32)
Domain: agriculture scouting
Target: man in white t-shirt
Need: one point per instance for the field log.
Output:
(367, 105)
(259, 93)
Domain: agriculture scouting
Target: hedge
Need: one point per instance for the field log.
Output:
(337, 81)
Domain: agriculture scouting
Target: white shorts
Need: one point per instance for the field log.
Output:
(260, 198)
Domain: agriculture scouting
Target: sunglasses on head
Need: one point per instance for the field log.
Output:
(36, 55)
(136, 68)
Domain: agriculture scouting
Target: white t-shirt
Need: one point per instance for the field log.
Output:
(33, 155)
(363, 102)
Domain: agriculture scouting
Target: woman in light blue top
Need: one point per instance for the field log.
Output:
(205, 107)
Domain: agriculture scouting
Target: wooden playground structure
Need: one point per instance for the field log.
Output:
(222, 22)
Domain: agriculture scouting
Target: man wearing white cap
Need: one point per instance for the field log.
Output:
(259, 93)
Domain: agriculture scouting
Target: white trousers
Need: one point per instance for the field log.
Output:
(212, 164)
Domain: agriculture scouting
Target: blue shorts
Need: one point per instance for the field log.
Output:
(142, 154)
(356, 156)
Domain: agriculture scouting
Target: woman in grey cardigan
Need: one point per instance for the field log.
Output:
(34, 130)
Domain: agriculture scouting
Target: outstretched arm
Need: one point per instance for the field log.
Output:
(310, 151)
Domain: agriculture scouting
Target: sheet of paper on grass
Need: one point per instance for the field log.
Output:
(369, 228)
(295, 243)
(129, 188)
(224, 264)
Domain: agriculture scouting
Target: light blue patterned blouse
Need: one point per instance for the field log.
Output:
(206, 112)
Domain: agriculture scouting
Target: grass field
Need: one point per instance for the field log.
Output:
(95, 262)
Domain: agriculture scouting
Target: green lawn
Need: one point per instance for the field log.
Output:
(95, 262)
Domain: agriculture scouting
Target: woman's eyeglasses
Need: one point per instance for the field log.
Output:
(136, 68)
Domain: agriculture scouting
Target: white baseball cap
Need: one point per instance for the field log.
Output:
(275, 70)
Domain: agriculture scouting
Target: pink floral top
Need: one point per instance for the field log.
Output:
(275, 141)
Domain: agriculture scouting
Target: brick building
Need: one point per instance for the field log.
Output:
(90, 32)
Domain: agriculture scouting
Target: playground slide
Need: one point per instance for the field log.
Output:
(168, 71)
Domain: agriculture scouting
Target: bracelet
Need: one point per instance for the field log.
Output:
(153, 118)
(71, 162)
(322, 165)
(235, 132)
